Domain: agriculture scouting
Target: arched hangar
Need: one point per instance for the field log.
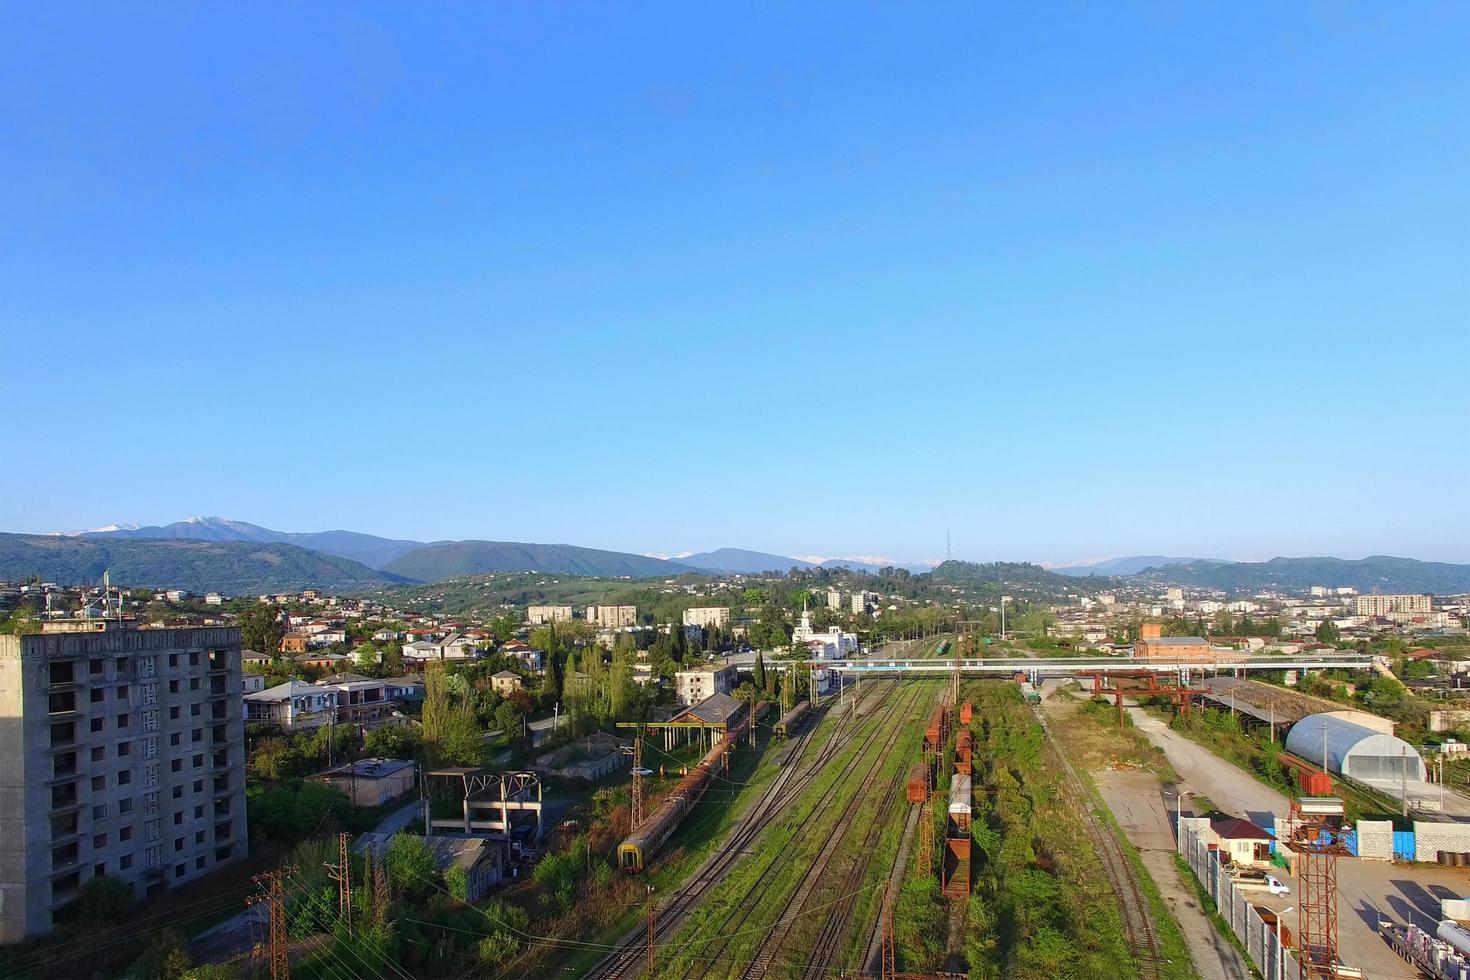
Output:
(1355, 750)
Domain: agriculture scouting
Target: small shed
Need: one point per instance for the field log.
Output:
(1246, 844)
(483, 860)
(370, 782)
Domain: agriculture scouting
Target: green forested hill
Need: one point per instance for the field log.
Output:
(1377, 573)
(199, 566)
(451, 559)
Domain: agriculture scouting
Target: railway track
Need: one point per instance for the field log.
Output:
(839, 916)
(630, 957)
(739, 916)
(1138, 922)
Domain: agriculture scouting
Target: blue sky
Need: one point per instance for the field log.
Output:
(1067, 281)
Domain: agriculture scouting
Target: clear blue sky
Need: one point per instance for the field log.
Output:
(1068, 282)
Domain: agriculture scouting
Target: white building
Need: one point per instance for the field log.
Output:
(834, 644)
(613, 617)
(693, 686)
(1382, 605)
(834, 600)
(707, 616)
(540, 615)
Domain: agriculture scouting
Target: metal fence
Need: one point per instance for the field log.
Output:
(1258, 938)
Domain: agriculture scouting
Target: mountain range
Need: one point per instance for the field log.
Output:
(738, 561)
(1129, 565)
(235, 567)
(212, 553)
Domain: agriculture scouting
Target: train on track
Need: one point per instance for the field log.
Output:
(646, 839)
(792, 719)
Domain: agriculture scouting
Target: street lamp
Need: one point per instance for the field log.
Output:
(1280, 965)
(1178, 820)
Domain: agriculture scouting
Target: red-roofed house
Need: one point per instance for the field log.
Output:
(1242, 841)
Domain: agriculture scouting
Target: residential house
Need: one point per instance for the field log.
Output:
(405, 690)
(322, 661)
(294, 706)
(505, 681)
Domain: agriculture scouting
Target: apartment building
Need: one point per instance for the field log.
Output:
(1382, 605)
(834, 600)
(863, 602)
(541, 615)
(124, 755)
(707, 616)
(612, 617)
(693, 686)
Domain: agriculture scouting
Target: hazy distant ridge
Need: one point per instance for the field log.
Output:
(1377, 573)
(235, 567)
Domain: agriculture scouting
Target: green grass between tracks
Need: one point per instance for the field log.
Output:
(788, 847)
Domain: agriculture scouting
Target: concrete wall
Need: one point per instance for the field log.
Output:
(1375, 840)
(1249, 927)
(1431, 838)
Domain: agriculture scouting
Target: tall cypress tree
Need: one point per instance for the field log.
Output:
(758, 674)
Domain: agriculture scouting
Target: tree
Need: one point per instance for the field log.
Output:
(410, 864)
(508, 719)
(435, 718)
(758, 674)
(1327, 632)
(367, 655)
(261, 630)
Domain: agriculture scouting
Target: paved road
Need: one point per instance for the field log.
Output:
(398, 819)
(1137, 801)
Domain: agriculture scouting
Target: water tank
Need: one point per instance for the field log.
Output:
(1456, 935)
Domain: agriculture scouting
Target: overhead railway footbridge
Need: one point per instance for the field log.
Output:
(1035, 668)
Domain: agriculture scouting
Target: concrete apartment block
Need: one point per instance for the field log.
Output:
(124, 756)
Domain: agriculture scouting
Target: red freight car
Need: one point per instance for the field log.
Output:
(931, 734)
(955, 873)
(965, 713)
(919, 783)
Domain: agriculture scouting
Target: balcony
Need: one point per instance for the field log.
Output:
(65, 857)
(63, 734)
(221, 785)
(64, 766)
(63, 827)
(63, 795)
(220, 736)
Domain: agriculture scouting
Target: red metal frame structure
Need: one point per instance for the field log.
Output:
(1318, 845)
(1151, 688)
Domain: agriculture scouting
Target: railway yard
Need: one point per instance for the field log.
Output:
(841, 865)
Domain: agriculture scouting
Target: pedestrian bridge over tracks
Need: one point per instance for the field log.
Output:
(1037, 667)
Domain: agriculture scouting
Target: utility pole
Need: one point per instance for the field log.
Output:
(926, 839)
(890, 960)
(341, 873)
(637, 816)
(382, 898)
(275, 899)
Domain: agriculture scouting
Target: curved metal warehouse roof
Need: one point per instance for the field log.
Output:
(1348, 741)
